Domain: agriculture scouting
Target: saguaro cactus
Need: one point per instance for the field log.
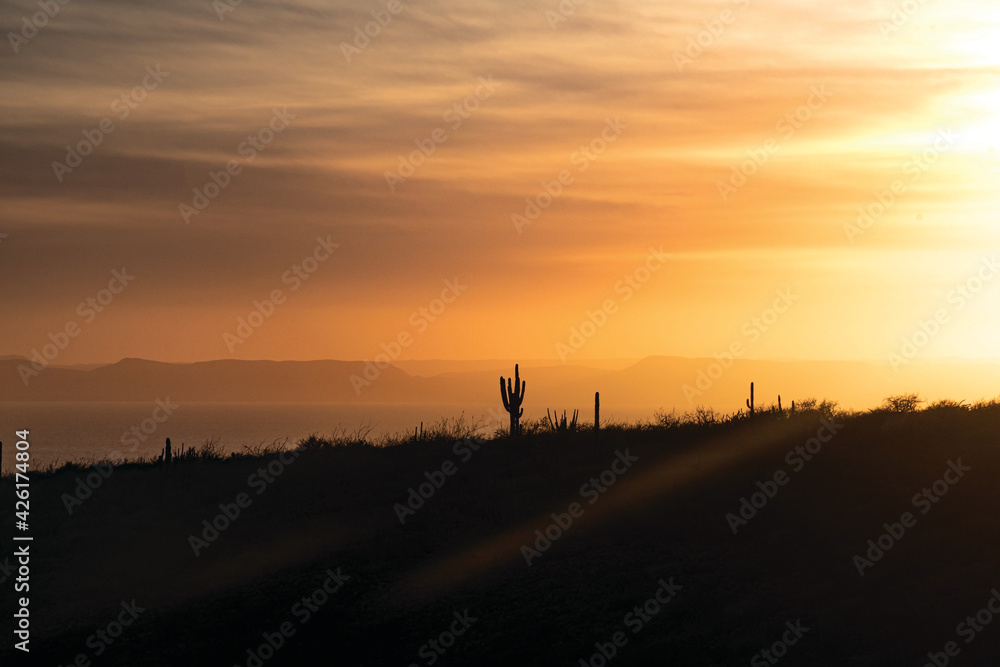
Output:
(559, 426)
(166, 453)
(597, 411)
(512, 399)
(750, 400)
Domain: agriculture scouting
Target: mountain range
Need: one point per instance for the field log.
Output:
(656, 382)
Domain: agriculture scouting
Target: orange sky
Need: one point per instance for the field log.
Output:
(915, 104)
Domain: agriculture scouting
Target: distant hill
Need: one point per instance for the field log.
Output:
(225, 381)
(82, 367)
(652, 382)
(431, 367)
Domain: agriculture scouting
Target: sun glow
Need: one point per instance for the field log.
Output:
(982, 134)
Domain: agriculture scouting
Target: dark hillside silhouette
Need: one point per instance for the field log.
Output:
(692, 501)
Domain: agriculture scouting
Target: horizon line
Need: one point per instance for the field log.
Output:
(555, 361)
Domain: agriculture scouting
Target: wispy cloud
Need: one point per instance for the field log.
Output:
(687, 128)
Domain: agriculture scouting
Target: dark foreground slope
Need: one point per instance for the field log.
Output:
(663, 521)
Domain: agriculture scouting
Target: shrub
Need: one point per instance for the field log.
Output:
(900, 403)
(947, 404)
(313, 442)
(668, 419)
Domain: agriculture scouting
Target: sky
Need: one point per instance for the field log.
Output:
(607, 179)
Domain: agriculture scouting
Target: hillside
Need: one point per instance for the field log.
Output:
(660, 526)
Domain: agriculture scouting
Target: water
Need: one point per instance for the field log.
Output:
(61, 432)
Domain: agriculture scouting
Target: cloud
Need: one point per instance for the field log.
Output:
(687, 128)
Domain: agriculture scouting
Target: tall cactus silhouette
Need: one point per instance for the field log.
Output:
(165, 454)
(597, 411)
(750, 400)
(512, 399)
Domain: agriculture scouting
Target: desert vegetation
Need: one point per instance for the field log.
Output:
(435, 522)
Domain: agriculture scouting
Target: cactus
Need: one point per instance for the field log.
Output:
(562, 425)
(779, 405)
(512, 399)
(597, 411)
(166, 453)
(750, 401)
